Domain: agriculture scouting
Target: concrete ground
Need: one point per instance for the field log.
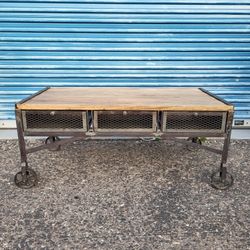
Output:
(125, 195)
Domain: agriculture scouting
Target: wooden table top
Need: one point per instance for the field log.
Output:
(124, 98)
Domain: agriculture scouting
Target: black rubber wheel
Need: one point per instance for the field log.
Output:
(194, 140)
(218, 183)
(51, 140)
(28, 182)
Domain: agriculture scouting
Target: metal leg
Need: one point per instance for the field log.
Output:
(223, 169)
(223, 172)
(20, 135)
(27, 177)
(222, 179)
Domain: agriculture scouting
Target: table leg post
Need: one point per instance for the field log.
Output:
(21, 141)
(222, 179)
(27, 177)
(223, 169)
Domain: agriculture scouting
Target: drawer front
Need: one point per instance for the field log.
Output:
(125, 121)
(194, 121)
(54, 121)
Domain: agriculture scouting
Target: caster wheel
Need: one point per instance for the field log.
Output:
(51, 140)
(194, 140)
(218, 183)
(28, 181)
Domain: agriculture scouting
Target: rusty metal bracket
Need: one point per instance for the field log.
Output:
(55, 144)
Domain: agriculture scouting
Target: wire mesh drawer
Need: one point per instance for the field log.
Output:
(125, 121)
(54, 121)
(194, 121)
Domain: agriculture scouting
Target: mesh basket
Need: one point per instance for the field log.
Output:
(194, 121)
(46, 121)
(125, 121)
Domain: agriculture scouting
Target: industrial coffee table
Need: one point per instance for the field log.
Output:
(81, 113)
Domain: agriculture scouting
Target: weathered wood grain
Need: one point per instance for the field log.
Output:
(108, 98)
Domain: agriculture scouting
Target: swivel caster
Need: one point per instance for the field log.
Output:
(196, 140)
(221, 180)
(51, 140)
(26, 179)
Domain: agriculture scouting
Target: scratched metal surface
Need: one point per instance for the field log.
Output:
(125, 43)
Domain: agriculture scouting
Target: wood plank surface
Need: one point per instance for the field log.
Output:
(108, 98)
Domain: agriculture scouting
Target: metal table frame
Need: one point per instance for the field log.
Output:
(27, 177)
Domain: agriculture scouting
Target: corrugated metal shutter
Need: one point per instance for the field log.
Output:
(125, 43)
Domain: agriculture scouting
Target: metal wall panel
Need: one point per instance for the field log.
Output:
(194, 43)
